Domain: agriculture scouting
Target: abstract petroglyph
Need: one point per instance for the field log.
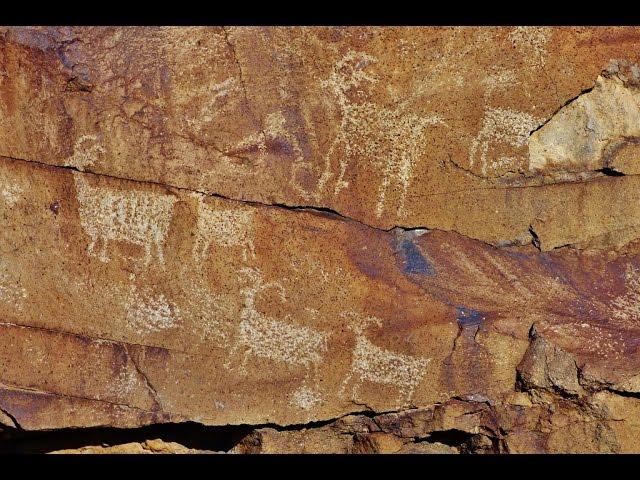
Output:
(12, 293)
(532, 41)
(147, 312)
(11, 194)
(306, 398)
(86, 151)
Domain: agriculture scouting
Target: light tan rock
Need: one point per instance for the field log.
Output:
(546, 366)
(146, 447)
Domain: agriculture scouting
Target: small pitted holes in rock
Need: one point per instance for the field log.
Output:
(375, 364)
(275, 339)
(372, 134)
(136, 216)
(55, 207)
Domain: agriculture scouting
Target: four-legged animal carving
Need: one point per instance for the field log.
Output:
(374, 364)
(277, 340)
(226, 228)
(138, 217)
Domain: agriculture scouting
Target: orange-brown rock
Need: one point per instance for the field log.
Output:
(357, 240)
(146, 447)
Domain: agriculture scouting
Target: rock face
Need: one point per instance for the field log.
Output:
(358, 240)
(146, 447)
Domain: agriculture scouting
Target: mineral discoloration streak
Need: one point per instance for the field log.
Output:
(468, 317)
(412, 260)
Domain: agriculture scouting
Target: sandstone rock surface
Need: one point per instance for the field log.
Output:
(146, 447)
(357, 240)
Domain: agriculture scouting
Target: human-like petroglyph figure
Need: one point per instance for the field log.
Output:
(500, 126)
(374, 364)
(134, 216)
(278, 340)
(389, 138)
(224, 227)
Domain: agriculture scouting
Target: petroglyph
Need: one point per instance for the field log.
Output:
(587, 133)
(133, 216)
(306, 398)
(150, 313)
(627, 306)
(532, 42)
(277, 340)
(374, 364)
(208, 310)
(501, 126)
(11, 194)
(220, 91)
(125, 382)
(86, 152)
(498, 79)
(223, 227)
(392, 139)
(11, 291)
(275, 137)
(36, 354)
